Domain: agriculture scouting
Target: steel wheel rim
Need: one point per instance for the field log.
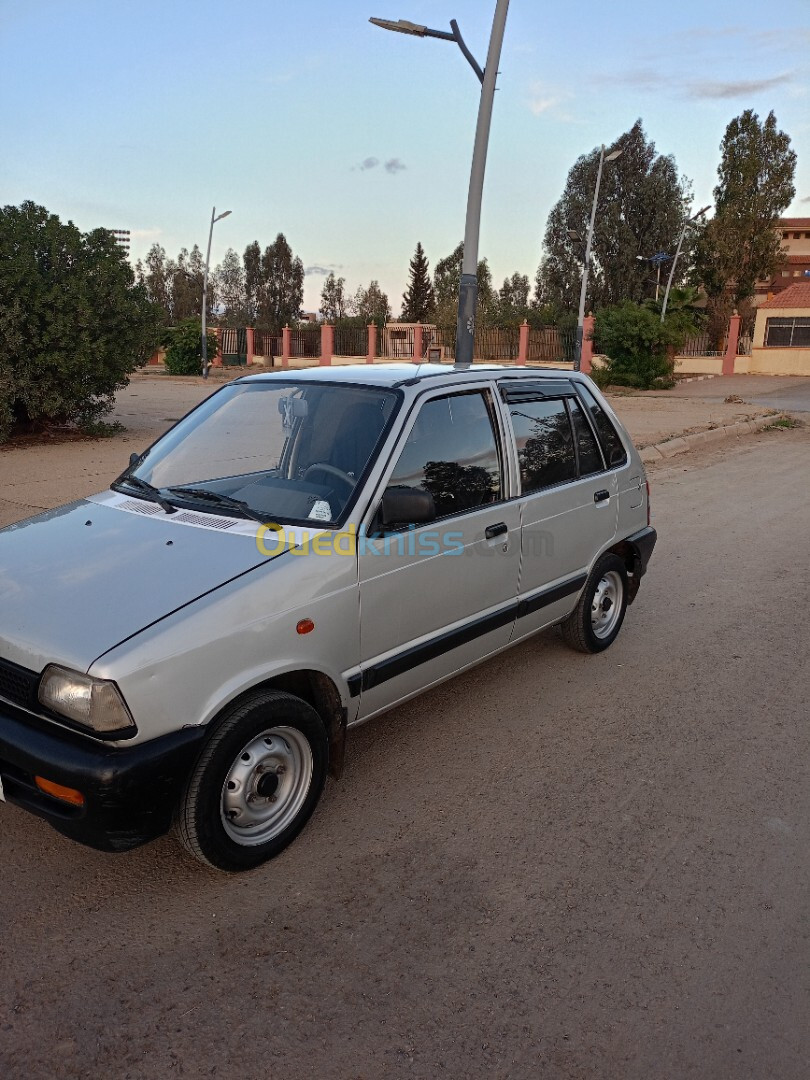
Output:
(606, 606)
(266, 786)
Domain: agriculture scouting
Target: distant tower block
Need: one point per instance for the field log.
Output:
(122, 239)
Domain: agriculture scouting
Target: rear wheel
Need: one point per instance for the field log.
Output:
(256, 783)
(595, 622)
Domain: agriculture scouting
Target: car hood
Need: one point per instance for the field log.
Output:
(79, 580)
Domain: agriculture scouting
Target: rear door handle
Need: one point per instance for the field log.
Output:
(601, 496)
(492, 531)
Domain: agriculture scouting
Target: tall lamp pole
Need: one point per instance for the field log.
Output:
(214, 218)
(468, 286)
(587, 259)
(686, 224)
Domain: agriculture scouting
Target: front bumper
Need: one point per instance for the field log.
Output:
(130, 792)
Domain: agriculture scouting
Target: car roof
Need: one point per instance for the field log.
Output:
(400, 374)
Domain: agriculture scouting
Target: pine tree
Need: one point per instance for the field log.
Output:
(333, 299)
(419, 300)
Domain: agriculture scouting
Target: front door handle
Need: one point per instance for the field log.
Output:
(601, 496)
(492, 531)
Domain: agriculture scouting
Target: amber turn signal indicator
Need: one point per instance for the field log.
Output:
(305, 626)
(66, 794)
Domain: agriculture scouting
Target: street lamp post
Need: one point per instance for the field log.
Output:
(686, 224)
(587, 260)
(214, 218)
(468, 286)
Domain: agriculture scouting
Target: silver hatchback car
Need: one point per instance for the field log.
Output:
(302, 552)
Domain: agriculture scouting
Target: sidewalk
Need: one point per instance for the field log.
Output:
(38, 477)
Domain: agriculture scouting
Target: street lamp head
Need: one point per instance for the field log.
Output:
(574, 235)
(612, 156)
(401, 26)
(224, 213)
(700, 212)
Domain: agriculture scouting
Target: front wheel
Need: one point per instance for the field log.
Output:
(256, 783)
(595, 622)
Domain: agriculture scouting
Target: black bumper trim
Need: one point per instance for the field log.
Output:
(130, 792)
(643, 542)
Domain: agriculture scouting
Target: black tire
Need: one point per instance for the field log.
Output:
(266, 736)
(589, 628)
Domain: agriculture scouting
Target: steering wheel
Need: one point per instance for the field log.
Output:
(330, 470)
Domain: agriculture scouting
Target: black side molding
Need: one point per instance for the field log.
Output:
(442, 643)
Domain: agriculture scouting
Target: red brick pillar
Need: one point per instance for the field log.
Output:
(327, 344)
(249, 334)
(217, 361)
(372, 343)
(286, 346)
(523, 347)
(585, 365)
(730, 355)
(417, 343)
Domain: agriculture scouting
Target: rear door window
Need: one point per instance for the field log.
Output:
(545, 444)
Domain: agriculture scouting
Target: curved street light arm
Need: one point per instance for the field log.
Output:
(459, 40)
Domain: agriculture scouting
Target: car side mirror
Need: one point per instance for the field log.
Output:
(406, 506)
(134, 459)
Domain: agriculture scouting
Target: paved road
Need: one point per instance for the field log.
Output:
(555, 866)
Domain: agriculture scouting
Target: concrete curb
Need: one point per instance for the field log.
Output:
(681, 445)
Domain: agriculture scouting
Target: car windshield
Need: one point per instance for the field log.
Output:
(280, 451)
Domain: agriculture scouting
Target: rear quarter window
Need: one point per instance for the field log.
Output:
(612, 446)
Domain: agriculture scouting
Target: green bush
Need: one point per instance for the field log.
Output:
(73, 323)
(640, 348)
(183, 344)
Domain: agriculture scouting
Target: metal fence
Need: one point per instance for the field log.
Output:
(306, 342)
(266, 344)
(552, 346)
(744, 345)
(351, 341)
(702, 345)
(234, 347)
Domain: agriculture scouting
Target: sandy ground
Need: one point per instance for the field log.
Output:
(34, 478)
(555, 866)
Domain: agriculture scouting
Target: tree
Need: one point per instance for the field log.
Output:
(371, 305)
(446, 282)
(642, 206)
(333, 299)
(183, 344)
(73, 321)
(740, 245)
(281, 289)
(512, 302)
(418, 301)
(187, 285)
(252, 260)
(156, 277)
(639, 346)
(229, 284)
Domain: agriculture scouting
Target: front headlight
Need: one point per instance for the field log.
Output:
(94, 703)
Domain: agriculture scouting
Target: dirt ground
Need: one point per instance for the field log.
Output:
(555, 866)
(34, 478)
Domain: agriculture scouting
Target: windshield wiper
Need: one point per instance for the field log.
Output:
(151, 490)
(203, 495)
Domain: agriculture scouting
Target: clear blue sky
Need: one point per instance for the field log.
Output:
(142, 114)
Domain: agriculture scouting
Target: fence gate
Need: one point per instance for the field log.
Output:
(234, 347)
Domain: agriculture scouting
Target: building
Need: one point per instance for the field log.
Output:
(781, 344)
(795, 236)
(121, 238)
